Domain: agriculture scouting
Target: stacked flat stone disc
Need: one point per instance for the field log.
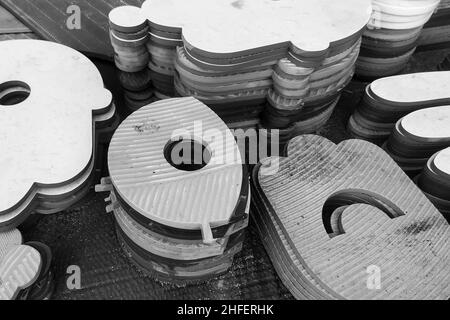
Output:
(137, 87)
(345, 222)
(162, 47)
(435, 181)
(178, 221)
(48, 124)
(389, 99)
(445, 64)
(418, 136)
(129, 34)
(290, 57)
(391, 36)
(143, 52)
(417, 144)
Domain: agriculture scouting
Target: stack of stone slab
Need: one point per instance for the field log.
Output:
(162, 47)
(418, 136)
(48, 124)
(417, 144)
(141, 47)
(137, 88)
(180, 194)
(129, 33)
(435, 181)
(291, 58)
(392, 35)
(389, 99)
(445, 64)
(436, 32)
(345, 222)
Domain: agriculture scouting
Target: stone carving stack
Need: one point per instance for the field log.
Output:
(137, 87)
(435, 181)
(48, 122)
(291, 57)
(389, 99)
(391, 36)
(417, 144)
(129, 33)
(296, 55)
(162, 47)
(418, 136)
(435, 34)
(178, 219)
(345, 222)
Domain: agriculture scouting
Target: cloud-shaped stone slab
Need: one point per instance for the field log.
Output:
(240, 26)
(47, 139)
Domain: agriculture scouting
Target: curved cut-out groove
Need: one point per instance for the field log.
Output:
(187, 154)
(337, 203)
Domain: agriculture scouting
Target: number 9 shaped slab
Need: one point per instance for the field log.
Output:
(329, 214)
(50, 99)
(177, 193)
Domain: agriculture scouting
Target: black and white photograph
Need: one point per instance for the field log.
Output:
(226, 156)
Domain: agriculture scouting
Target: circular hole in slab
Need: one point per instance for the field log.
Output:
(13, 92)
(187, 154)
